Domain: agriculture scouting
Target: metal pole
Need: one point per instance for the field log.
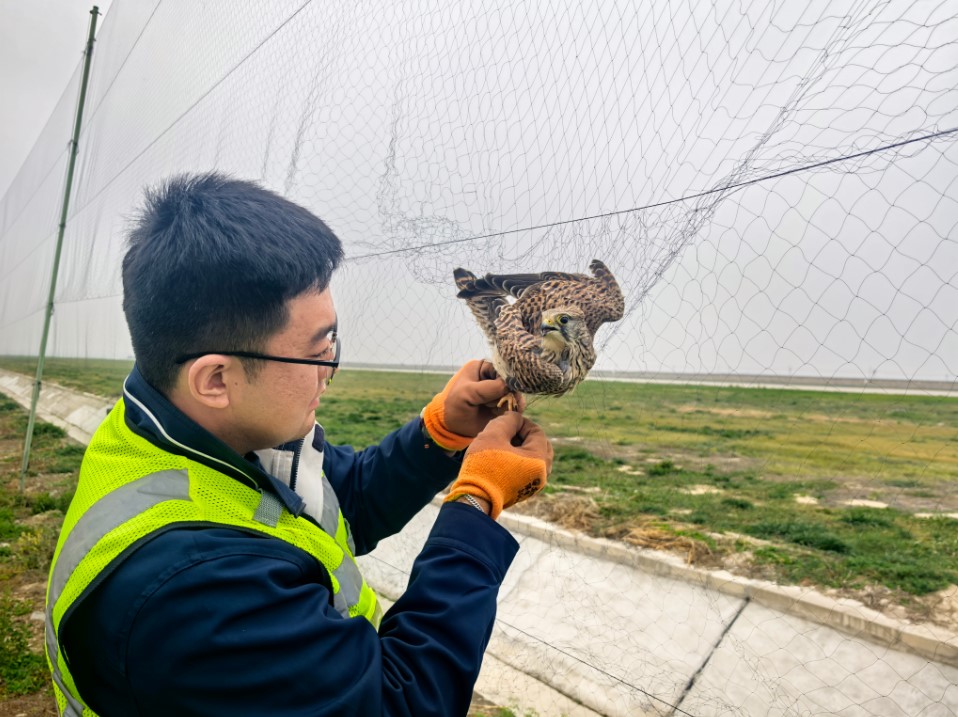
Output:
(74, 146)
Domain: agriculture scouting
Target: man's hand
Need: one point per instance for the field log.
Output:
(462, 409)
(506, 463)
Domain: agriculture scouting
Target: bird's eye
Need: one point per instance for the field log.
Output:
(563, 319)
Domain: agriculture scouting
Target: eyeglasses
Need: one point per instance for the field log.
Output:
(333, 365)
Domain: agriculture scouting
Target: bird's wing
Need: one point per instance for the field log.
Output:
(598, 295)
(485, 305)
(605, 301)
(517, 284)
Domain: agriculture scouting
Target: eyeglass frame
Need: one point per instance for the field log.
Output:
(334, 364)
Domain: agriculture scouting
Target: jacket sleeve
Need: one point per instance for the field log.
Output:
(382, 487)
(213, 621)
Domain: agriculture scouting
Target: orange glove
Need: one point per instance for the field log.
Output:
(462, 409)
(506, 463)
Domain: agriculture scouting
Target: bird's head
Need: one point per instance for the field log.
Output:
(563, 327)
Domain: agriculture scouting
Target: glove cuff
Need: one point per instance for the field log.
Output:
(432, 418)
(471, 499)
(460, 489)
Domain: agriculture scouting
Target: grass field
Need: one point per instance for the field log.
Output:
(103, 377)
(762, 481)
(29, 525)
(761, 473)
(758, 481)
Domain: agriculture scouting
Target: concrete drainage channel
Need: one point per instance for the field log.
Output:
(592, 627)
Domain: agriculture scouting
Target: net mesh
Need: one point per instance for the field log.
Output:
(773, 184)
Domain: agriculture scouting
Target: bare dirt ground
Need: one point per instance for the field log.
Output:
(39, 704)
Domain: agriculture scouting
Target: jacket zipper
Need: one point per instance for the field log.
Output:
(295, 467)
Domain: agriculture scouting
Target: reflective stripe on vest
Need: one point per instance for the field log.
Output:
(114, 508)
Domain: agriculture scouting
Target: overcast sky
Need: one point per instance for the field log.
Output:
(532, 137)
(41, 44)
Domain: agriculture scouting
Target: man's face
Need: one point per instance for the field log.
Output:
(279, 403)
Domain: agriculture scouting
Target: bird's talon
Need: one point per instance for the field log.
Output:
(510, 401)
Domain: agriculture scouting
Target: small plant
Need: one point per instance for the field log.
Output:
(34, 548)
(42, 428)
(866, 516)
(22, 671)
(43, 502)
(662, 468)
(9, 529)
(800, 532)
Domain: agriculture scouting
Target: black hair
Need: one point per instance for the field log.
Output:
(210, 264)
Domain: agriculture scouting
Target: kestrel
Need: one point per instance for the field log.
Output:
(542, 342)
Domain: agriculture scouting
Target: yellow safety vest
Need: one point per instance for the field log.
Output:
(130, 488)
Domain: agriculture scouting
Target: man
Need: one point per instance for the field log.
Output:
(206, 563)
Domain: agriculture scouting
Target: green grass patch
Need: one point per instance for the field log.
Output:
(700, 460)
(103, 377)
(362, 406)
(784, 432)
(707, 430)
(812, 534)
(29, 524)
(22, 671)
(842, 548)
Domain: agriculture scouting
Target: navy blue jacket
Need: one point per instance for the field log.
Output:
(214, 621)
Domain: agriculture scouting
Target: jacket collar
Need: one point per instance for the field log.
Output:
(150, 415)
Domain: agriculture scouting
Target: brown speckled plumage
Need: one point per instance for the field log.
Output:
(577, 304)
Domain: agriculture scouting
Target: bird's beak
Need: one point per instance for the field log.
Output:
(552, 325)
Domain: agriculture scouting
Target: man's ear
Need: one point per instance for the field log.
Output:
(208, 379)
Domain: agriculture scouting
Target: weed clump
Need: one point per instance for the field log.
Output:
(22, 671)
